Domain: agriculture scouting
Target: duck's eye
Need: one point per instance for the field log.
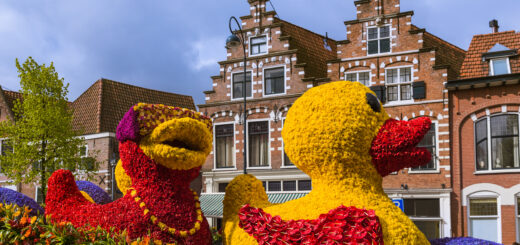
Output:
(373, 102)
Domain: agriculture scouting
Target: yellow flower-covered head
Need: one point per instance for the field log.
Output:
(334, 131)
(174, 137)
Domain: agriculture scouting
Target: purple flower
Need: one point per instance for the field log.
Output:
(461, 241)
(9, 196)
(95, 192)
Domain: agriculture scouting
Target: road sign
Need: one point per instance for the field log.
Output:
(399, 203)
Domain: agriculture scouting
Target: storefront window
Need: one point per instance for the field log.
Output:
(425, 213)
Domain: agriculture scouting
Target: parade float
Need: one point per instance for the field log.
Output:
(337, 133)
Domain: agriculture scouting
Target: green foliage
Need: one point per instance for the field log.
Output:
(41, 135)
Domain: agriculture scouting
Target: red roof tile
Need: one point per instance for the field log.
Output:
(101, 106)
(473, 65)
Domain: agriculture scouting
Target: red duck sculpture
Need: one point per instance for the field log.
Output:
(161, 149)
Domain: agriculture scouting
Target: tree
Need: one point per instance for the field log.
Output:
(41, 136)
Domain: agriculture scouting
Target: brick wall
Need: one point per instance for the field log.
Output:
(466, 107)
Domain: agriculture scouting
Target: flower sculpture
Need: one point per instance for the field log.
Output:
(8, 196)
(340, 135)
(94, 192)
(161, 149)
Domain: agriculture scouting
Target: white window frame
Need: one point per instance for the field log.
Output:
(436, 160)
(266, 45)
(215, 148)
(517, 214)
(488, 145)
(398, 85)
(86, 151)
(283, 150)
(378, 39)
(268, 143)
(369, 82)
(240, 72)
(284, 81)
(485, 195)
(492, 69)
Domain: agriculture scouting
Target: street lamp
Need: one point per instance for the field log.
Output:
(233, 41)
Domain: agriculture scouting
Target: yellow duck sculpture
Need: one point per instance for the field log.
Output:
(340, 135)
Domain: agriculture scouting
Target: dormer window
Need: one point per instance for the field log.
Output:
(258, 45)
(498, 58)
(378, 40)
(499, 67)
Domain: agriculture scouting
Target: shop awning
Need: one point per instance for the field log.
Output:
(211, 204)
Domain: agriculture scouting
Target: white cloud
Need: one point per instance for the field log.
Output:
(206, 52)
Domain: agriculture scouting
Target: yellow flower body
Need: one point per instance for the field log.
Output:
(328, 133)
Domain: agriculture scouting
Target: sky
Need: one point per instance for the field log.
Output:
(174, 45)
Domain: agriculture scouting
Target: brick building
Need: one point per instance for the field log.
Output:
(405, 65)
(96, 113)
(484, 113)
(283, 61)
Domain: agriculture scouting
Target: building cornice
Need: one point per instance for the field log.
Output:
(220, 103)
(387, 16)
(231, 61)
(470, 83)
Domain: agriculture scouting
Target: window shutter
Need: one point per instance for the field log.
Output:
(380, 91)
(419, 90)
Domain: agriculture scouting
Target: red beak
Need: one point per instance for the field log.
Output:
(394, 147)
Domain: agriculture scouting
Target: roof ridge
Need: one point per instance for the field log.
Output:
(497, 33)
(446, 42)
(297, 26)
(100, 104)
(131, 85)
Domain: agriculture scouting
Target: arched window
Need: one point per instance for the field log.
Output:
(496, 143)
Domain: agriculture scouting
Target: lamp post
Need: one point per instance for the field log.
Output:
(234, 41)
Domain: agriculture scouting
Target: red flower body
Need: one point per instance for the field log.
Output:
(165, 192)
(343, 225)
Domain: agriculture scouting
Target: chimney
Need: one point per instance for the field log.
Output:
(494, 25)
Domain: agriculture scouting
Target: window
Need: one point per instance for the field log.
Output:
(258, 144)
(274, 81)
(425, 213)
(286, 160)
(399, 84)
(379, 40)
(499, 66)
(304, 185)
(222, 187)
(83, 151)
(224, 146)
(518, 218)
(502, 130)
(258, 45)
(274, 186)
(6, 147)
(428, 142)
(362, 77)
(289, 185)
(238, 84)
(483, 218)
